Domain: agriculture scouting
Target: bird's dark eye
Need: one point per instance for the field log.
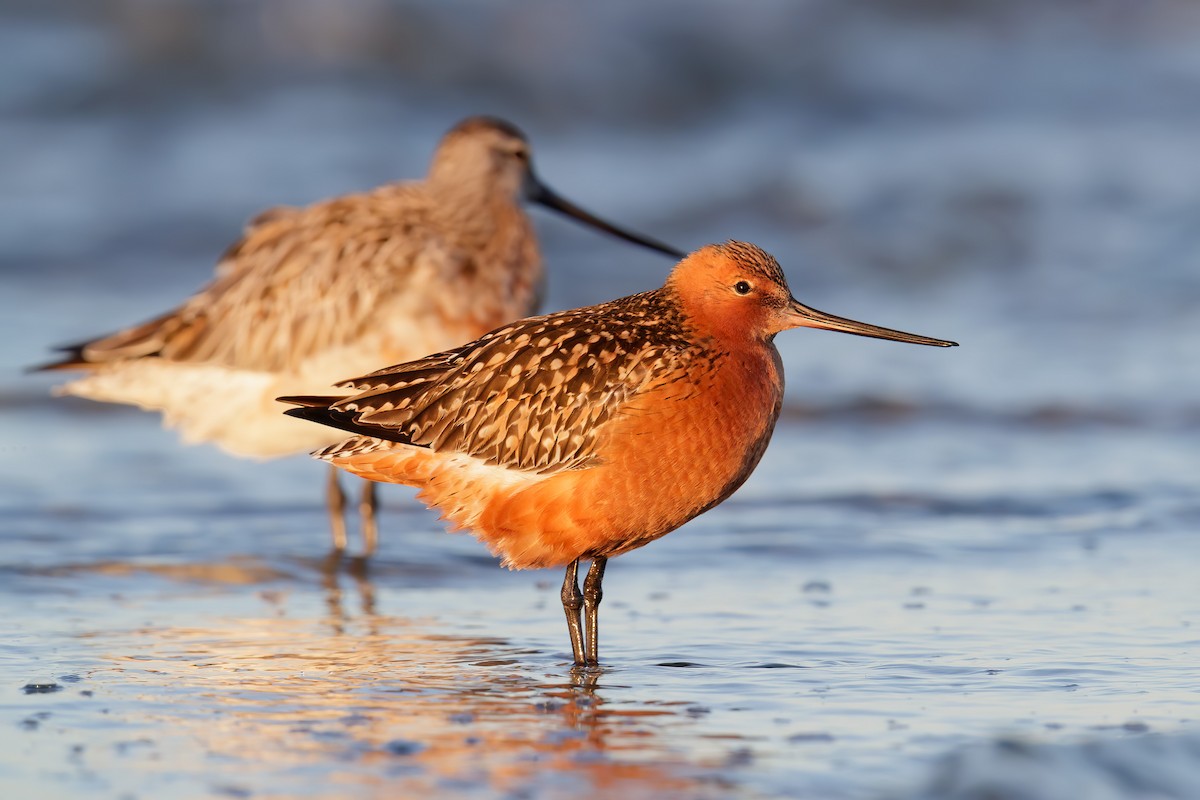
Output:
(742, 287)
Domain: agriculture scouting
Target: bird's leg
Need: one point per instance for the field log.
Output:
(366, 510)
(572, 600)
(337, 510)
(592, 595)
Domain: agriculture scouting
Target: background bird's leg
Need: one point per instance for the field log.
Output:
(367, 507)
(592, 595)
(337, 510)
(572, 601)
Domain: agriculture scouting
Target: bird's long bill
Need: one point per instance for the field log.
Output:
(537, 192)
(801, 316)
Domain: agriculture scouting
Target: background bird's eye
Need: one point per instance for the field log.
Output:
(742, 287)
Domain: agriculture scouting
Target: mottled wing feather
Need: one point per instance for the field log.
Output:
(534, 395)
(261, 312)
(229, 262)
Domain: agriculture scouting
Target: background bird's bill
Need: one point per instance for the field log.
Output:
(538, 192)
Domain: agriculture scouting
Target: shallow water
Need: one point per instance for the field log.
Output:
(956, 574)
(820, 638)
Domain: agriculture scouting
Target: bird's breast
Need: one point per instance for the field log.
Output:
(692, 442)
(671, 453)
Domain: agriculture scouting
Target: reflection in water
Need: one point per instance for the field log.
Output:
(385, 705)
(335, 597)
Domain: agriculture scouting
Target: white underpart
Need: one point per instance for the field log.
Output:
(460, 483)
(236, 409)
(475, 481)
(471, 470)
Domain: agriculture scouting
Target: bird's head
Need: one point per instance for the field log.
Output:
(736, 290)
(486, 157)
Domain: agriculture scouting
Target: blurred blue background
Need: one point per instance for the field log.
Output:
(1018, 175)
(945, 545)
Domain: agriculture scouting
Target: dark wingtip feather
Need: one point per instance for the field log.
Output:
(343, 420)
(53, 366)
(323, 415)
(308, 401)
(311, 413)
(72, 358)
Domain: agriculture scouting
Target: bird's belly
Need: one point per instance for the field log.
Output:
(666, 461)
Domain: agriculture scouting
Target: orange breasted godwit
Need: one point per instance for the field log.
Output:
(588, 433)
(309, 295)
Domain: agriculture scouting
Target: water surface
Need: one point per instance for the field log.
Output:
(955, 572)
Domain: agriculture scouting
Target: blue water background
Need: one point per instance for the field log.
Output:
(953, 571)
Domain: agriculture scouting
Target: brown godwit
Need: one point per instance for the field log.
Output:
(309, 295)
(588, 433)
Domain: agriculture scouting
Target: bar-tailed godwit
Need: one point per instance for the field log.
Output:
(309, 295)
(587, 433)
